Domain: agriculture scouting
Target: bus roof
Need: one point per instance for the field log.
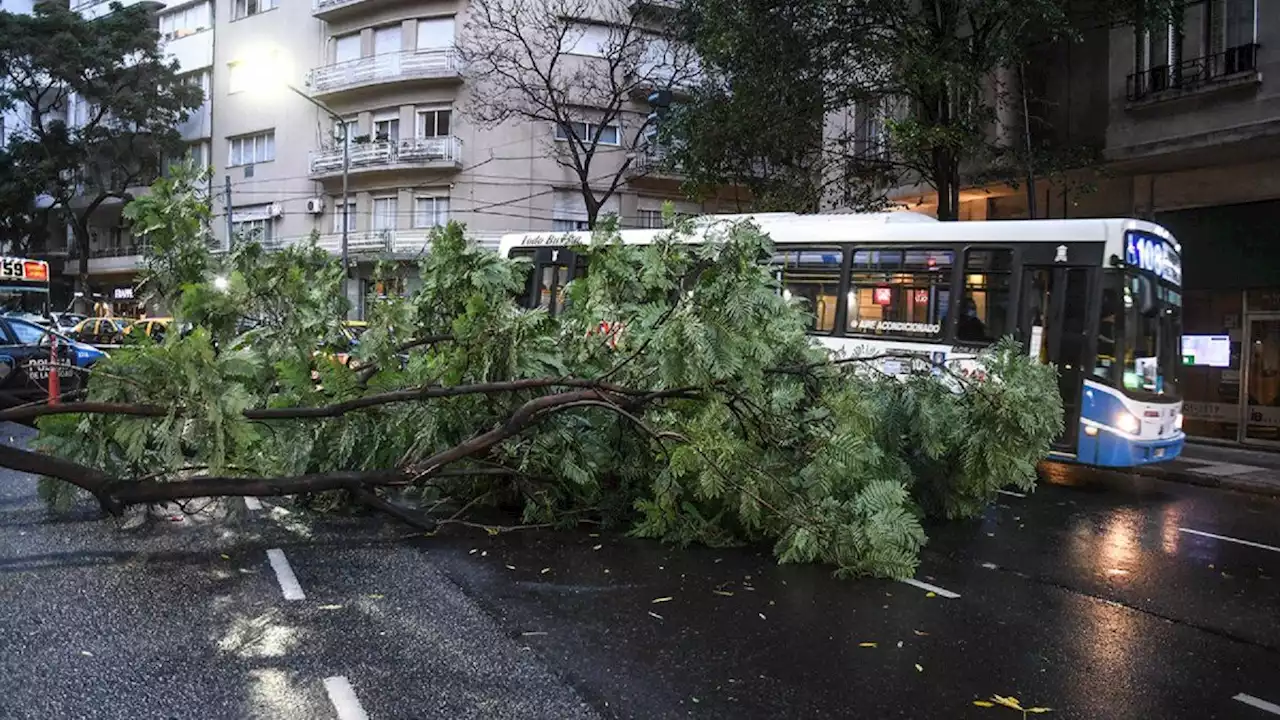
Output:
(890, 227)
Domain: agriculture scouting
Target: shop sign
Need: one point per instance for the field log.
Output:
(122, 293)
(1229, 412)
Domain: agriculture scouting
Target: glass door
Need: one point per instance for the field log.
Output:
(1261, 406)
(1054, 325)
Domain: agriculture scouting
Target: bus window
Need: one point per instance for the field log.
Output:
(988, 283)
(814, 275)
(900, 292)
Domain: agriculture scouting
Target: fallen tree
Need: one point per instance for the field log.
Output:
(677, 396)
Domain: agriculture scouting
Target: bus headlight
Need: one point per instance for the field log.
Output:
(1178, 421)
(1127, 423)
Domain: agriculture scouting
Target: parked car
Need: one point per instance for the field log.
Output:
(26, 362)
(100, 331)
(154, 328)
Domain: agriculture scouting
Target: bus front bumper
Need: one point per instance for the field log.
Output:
(1108, 448)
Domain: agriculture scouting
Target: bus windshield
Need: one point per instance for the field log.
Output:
(24, 286)
(1138, 343)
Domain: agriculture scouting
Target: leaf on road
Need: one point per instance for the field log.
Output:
(762, 617)
(921, 633)
(597, 547)
(725, 593)
(1009, 702)
(654, 614)
(511, 567)
(86, 653)
(1038, 710)
(532, 632)
(473, 551)
(931, 594)
(662, 599)
(868, 644)
(918, 668)
(983, 703)
(374, 596)
(330, 607)
(545, 571)
(226, 556)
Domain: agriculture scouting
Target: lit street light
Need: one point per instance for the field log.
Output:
(221, 284)
(266, 71)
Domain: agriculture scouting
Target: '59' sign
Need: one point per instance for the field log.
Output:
(12, 268)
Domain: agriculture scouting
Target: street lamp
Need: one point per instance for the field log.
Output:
(263, 69)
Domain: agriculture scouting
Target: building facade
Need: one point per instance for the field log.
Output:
(391, 71)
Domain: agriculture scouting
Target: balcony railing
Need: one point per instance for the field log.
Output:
(425, 152)
(388, 67)
(1193, 73)
(377, 242)
(654, 160)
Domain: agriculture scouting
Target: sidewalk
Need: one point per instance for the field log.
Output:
(1234, 468)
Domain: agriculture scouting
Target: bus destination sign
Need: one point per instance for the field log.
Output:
(1153, 254)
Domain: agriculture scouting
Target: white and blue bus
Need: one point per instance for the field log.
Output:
(1100, 299)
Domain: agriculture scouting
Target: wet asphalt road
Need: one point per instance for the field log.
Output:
(1088, 597)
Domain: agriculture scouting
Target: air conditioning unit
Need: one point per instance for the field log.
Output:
(275, 210)
(315, 206)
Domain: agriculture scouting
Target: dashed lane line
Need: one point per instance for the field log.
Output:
(284, 574)
(344, 699)
(1258, 703)
(1250, 543)
(931, 588)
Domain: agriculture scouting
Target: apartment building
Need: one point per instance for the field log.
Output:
(384, 76)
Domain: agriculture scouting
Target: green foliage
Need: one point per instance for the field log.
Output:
(759, 438)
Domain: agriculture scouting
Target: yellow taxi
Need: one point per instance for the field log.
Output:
(154, 328)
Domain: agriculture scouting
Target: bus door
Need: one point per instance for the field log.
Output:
(553, 269)
(1053, 323)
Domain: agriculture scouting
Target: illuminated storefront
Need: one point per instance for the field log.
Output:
(1231, 315)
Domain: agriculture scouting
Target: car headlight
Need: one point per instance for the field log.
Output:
(1178, 422)
(1127, 423)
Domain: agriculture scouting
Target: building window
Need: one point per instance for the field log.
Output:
(434, 123)
(197, 153)
(245, 8)
(988, 286)
(337, 217)
(584, 132)
(435, 34)
(900, 292)
(250, 149)
(813, 276)
(588, 40)
(346, 48)
(386, 128)
(430, 212)
(253, 223)
(384, 214)
(184, 22)
(569, 211)
(651, 219)
(386, 40)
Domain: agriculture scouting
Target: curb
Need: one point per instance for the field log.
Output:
(1266, 488)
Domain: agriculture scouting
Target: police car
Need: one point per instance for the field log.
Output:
(26, 362)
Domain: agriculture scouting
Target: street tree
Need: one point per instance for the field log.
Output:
(677, 396)
(931, 87)
(103, 103)
(577, 73)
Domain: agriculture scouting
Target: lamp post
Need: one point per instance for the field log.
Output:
(346, 168)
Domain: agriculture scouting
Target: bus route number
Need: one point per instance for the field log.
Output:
(12, 268)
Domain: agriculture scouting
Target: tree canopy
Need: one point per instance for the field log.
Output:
(854, 97)
(677, 396)
(103, 102)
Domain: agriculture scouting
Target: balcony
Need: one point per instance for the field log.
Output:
(654, 162)
(378, 242)
(1231, 68)
(336, 10)
(444, 153)
(110, 259)
(382, 69)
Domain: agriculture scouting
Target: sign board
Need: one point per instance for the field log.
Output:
(1152, 254)
(1209, 350)
(1230, 413)
(12, 268)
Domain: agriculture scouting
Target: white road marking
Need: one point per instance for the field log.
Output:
(1010, 492)
(288, 581)
(1250, 543)
(1258, 703)
(931, 588)
(252, 503)
(344, 699)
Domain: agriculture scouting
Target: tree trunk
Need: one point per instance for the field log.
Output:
(80, 228)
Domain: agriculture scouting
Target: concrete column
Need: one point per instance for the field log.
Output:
(366, 42)
(404, 206)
